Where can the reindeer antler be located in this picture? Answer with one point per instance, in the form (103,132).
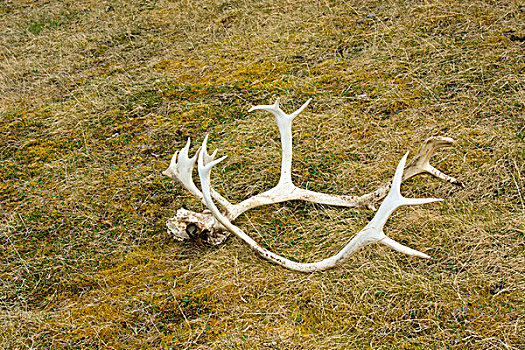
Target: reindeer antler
(211,226)
(373,232)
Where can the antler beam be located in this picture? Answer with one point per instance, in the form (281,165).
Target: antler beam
(373,232)
(214,226)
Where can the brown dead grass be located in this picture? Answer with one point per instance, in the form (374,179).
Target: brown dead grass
(95,97)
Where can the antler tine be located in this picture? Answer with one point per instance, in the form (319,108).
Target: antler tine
(274,109)
(205,169)
(181,168)
(302,108)
(403,249)
(210,159)
(278,112)
(421,163)
(394,200)
(207,157)
(284,122)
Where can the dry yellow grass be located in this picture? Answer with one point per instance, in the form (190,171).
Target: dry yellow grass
(96,96)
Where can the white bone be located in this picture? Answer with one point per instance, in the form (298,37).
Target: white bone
(373,232)
(181,167)
(284,122)
(207,157)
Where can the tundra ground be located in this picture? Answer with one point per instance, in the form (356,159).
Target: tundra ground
(96,96)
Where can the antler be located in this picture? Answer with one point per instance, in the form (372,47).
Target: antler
(208,228)
(188,224)
(373,232)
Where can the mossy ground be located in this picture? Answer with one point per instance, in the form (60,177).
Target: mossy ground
(96,96)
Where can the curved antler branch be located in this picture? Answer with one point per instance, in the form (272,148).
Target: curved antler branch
(373,232)
(181,167)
